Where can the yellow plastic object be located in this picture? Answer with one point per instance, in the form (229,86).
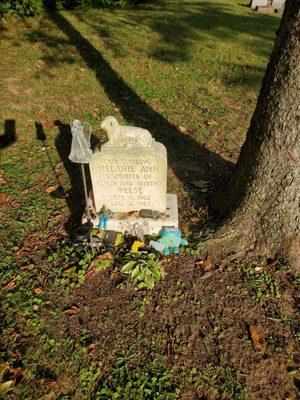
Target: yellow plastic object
(98,232)
(118,239)
(136,245)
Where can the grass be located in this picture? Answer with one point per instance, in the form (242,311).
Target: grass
(195,65)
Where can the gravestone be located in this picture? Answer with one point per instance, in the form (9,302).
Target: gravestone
(128,174)
(129,179)
(278,4)
(258,3)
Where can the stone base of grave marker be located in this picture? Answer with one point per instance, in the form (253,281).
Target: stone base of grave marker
(265,10)
(123,222)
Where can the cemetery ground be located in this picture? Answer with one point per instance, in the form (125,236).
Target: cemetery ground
(189,72)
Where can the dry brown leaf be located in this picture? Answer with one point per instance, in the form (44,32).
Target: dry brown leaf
(212,122)
(90,347)
(2,181)
(2,172)
(182,129)
(257,339)
(9,285)
(101,257)
(15,204)
(73,310)
(50,189)
(207,264)
(24,249)
(4,197)
(105,256)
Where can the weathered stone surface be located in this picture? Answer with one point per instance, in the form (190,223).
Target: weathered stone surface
(149,226)
(265,10)
(278,4)
(130,178)
(258,3)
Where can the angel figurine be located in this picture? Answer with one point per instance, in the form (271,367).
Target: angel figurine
(81,142)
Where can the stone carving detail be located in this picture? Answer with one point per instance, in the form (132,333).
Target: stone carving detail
(125,136)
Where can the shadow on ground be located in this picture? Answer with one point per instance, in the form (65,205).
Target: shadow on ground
(182,150)
(75,196)
(9,136)
(195,21)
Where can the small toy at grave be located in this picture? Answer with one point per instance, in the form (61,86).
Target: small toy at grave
(145,213)
(125,136)
(137,245)
(170,241)
(83,232)
(138,231)
(104,215)
(108,238)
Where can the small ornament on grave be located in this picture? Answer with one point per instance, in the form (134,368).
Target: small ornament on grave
(83,232)
(137,245)
(104,215)
(81,153)
(169,242)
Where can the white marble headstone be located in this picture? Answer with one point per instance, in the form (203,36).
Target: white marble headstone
(258,3)
(130,171)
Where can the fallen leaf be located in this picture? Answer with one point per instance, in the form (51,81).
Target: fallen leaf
(212,122)
(37,290)
(182,129)
(9,285)
(101,257)
(24,249)
(2,181)
(50,189)
(105,256)
(2,172)
(207,264)
(90,273)
(5,386)
(90,347)
(4,197)
(35,307)
(73,310)
(15,204)
(257,338)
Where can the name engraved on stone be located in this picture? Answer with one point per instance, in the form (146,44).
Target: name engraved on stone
(127,178)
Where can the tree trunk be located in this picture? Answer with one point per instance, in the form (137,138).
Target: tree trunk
(261,202)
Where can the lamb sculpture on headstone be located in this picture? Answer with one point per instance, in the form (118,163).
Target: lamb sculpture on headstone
(125,136)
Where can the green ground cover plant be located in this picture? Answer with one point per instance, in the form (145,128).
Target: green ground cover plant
(144,268)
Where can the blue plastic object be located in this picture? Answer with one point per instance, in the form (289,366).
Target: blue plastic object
(169,242)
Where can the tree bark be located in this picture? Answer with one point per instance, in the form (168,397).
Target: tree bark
(261,202)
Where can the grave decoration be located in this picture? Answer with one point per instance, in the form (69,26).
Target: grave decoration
(128,204)
(81,153)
